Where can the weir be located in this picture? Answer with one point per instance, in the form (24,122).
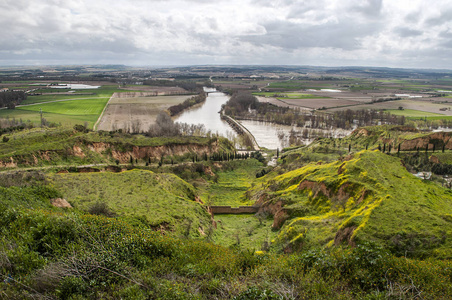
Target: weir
(218,210)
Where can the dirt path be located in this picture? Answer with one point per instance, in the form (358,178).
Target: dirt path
(101,115)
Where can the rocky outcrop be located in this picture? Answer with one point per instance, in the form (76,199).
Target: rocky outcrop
(122,153)
(437,139)
(344,235)
(77,151)
(315,187)
(8,164)
(143,152)
(276,209)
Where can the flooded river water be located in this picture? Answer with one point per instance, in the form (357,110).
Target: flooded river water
(267,135)
(208,114)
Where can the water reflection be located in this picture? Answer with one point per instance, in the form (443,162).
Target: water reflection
(266,134)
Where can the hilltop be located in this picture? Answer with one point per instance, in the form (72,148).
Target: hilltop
(77,146)
(368,196)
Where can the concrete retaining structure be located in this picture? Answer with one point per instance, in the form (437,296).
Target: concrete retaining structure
(218,210)
(240,129)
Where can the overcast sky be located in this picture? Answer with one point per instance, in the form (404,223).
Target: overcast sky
(390,33)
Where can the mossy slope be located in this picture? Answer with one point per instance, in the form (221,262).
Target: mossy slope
(370,197)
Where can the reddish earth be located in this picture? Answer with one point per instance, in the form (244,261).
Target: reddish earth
(59,202)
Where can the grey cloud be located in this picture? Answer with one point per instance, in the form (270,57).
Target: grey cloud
(302,8)
(273,3)
(446,44)
(413,17)
(239,31)
(407,32)
(370,8)
(444,17)
(344,35)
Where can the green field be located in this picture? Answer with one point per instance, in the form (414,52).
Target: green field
(413,113)
(54,97)
(68,110)
(65,113)
(288,95)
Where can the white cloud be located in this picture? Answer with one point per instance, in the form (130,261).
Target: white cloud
(373,32)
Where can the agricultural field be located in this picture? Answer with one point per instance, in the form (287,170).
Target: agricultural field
(412,113)
(159,90)
(67,109)
(71,106)
(130,112)
(315,99)
(288,95)
(66,113)
(424,107)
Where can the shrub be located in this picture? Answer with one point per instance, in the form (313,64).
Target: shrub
(101,209)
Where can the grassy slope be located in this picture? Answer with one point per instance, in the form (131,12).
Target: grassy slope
(160,199)
(231,185)
(240,231)
(398,210)
(243,231)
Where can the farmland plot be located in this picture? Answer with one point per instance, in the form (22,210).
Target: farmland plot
(135,113)
(424,105)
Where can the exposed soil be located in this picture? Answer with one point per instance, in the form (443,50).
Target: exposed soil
(59,202)
(134,112)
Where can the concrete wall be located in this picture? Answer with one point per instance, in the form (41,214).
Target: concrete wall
(234,210)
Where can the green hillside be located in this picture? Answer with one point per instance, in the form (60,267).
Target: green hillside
(368,197)
(162,201)
(64,146)
(335,222)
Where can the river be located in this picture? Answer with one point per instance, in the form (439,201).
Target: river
(208,114)
(266,134)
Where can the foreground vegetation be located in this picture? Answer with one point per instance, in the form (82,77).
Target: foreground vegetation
(68,255)
(365,235)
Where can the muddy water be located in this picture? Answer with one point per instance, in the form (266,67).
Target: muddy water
(208,114)
(266,134)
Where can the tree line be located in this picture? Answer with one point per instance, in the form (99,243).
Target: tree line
(10,99)
(186,85)
(176,109)
(243,105)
